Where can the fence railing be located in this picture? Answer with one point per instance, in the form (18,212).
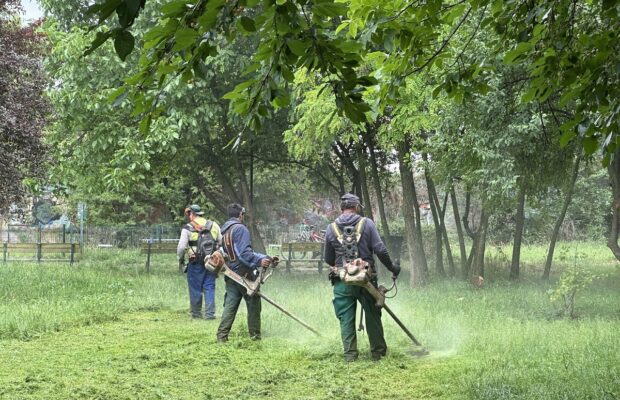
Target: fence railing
(104,236)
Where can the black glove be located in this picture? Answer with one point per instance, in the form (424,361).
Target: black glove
(395,269)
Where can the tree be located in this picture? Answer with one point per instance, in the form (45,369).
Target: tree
(23,110)
(196,153)
(570,188)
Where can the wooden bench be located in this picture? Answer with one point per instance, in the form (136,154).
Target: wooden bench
(38,252)
(157,246)
(303,252)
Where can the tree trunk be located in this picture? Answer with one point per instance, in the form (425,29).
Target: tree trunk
(376,182)
(519,223)
(614,178)
(432,196)
(560,220)
(477,264)
(417,276)
(257,241)
(446,240)
(364,183)
(344,154)
(459,230)
(469,232)
(418,226)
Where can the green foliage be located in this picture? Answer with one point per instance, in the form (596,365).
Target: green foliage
(194,154)
(23,108)
(567,50)
(573,280)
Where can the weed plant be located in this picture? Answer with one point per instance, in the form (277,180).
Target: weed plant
(105,329)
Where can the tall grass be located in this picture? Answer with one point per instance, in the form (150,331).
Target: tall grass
(39,298)
(117,332)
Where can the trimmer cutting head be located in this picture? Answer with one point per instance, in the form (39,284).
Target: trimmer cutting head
(419,352)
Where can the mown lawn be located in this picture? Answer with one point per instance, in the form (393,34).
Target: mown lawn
(106,330)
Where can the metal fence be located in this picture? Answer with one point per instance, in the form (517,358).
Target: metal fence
(127,236)
(102,236)
(131,236)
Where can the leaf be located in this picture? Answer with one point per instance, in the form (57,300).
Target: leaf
(104,10)
(127,12)
(529,95)
(174,8)
(298,47)
(247,24)
(209,17)
(568,96)
(117,96)
(123,44)
(184,38)
(232,95)
(342,26)
(454,13)
(330,9)
(517,52)
(100,39)
(287,74)
(282,101)
(566,137)
(590,144)
(145,124)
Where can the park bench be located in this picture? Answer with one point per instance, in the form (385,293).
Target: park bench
(303,252)
(294,252)
(157,246)
(39,252)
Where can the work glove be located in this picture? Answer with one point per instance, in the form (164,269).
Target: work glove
(182,266)
(395,269)
(333,274)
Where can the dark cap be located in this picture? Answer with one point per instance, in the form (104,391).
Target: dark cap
(195,208)
(349,200)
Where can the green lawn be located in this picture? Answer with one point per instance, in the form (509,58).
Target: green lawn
(106,330)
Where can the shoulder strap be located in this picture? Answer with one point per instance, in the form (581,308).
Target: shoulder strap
(359,228)
(195,226)
(228,242)
(337,232)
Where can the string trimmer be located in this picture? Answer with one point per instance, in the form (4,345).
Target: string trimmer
(216,263)
(358,273)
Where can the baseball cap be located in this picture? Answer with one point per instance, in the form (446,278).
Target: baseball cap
(350,200)
(195,208)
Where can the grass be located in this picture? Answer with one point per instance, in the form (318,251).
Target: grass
(107,330)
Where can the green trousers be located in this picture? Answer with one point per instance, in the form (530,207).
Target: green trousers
(232,299)
(345,306)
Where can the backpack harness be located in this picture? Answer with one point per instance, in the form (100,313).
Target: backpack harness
(228,243)
(205,243)
(229,247)
(348,238)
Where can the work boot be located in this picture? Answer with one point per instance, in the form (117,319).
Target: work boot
(377,357)
(196,311)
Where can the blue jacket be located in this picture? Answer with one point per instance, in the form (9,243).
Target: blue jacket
(242,246)
(370,242)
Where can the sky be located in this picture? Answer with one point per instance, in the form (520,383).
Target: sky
(32,10)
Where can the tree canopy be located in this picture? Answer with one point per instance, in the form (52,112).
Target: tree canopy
(23,110)
(568,48)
